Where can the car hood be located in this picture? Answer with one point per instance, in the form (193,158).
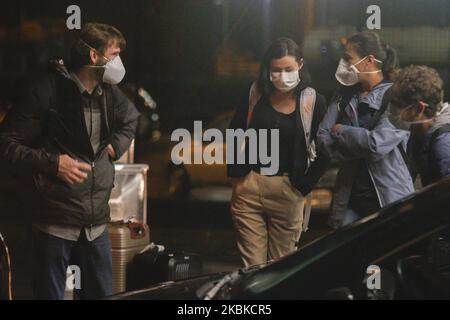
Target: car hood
(190,289)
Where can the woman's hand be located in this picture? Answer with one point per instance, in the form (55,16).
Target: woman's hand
(335,129)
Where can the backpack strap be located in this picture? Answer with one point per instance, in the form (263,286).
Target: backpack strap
(253,98)
(384,105)
(306,110)
(343,98)
(443,129)
(376,119)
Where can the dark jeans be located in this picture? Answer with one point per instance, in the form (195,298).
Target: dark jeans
(52,256)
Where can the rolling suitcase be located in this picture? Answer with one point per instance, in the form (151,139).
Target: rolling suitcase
(127,240)
(154,265)
(128,230)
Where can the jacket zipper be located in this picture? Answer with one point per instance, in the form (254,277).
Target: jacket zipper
(88,140)
(93,185)
(375,186)
(95,157)
(92,193)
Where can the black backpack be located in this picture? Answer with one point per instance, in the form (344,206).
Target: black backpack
(445,128)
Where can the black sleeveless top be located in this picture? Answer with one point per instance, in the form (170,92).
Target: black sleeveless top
(266,117)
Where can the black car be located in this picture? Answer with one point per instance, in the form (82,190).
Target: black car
(401,252)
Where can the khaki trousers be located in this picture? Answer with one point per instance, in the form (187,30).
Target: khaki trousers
(268,213)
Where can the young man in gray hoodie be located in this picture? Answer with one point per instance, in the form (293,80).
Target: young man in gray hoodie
(417,105)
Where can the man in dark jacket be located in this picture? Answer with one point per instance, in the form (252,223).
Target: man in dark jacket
(417,105)
(64,136)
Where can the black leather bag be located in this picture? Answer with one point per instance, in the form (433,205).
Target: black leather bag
(155,265)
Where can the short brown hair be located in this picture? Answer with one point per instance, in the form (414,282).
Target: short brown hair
(418,83)
(95,35)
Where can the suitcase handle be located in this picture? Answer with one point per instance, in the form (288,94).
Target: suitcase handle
(137,230)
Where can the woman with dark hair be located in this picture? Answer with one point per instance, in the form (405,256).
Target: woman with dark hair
(267,209)
(356,132)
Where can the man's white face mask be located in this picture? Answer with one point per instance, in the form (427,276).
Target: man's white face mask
(347,74)
(397,117)
(114,69)
(285,81)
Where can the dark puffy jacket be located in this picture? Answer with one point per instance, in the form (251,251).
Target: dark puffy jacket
(301,178)
(49,122)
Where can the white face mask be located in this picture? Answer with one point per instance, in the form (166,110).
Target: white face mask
(285,81)
(114,71)
(395,116)
(347,74)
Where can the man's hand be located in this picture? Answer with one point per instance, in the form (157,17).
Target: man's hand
(111,152)
(72,171)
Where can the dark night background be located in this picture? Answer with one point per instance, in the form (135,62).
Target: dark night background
(180,51)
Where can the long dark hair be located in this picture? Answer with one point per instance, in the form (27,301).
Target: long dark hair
(370,43)
(278,49)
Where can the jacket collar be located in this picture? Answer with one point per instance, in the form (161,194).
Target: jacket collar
(375,96)
(441,119)
(97,90)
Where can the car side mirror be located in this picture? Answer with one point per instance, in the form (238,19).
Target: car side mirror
(342,293)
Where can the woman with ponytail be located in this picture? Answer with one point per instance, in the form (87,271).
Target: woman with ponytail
(357,133)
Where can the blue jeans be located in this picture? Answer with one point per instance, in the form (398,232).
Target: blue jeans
(52,256)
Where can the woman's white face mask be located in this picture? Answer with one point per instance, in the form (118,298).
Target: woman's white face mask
(347,73)
(285,81)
